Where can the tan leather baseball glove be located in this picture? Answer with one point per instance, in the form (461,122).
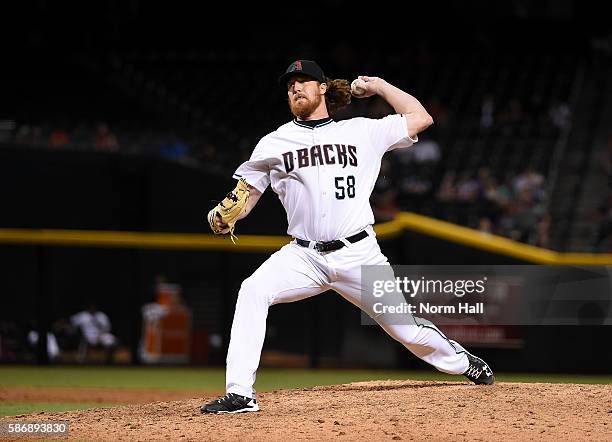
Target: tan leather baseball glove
(229,210)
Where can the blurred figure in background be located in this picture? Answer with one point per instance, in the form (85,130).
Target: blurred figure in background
(467,188)
(529,180)
(447,192)
(53,349)
(95,328)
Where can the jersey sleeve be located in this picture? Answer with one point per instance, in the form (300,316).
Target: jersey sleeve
(390,133)
(256,171)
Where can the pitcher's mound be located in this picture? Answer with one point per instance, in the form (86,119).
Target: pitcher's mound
(369,411)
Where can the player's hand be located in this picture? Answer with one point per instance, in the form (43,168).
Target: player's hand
(364,86)
(216,223)
(219,222)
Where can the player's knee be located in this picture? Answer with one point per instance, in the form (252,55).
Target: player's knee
(248,286)
(405,334)
(253,291)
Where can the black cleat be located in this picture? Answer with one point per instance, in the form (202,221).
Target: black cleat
(478,371)
(231,403)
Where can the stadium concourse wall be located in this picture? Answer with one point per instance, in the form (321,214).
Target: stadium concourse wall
(92,226)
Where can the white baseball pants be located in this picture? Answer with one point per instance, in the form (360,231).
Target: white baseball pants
(294,273)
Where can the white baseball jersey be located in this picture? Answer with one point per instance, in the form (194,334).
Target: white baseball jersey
(324,175)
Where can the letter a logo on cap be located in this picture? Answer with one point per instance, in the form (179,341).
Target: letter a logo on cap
(297,66)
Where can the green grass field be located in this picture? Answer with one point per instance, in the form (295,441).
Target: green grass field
(16,408)
(213,380)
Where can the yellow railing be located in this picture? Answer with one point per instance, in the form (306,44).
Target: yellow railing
(491,243)
(141,240)
(260,243)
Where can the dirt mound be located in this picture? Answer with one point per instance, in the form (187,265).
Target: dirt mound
(96,395)
(387,410)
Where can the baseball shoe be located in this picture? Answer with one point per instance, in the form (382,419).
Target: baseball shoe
(231,403)
(478,371)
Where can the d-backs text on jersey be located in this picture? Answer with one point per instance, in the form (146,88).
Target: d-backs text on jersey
(341,154)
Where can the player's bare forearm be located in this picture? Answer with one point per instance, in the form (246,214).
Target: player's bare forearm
(254,196)
(417,118)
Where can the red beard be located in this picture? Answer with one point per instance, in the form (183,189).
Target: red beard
(302,109)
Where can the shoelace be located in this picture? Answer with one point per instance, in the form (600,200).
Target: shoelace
(474,371)
(225,398)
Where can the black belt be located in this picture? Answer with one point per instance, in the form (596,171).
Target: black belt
(330,246)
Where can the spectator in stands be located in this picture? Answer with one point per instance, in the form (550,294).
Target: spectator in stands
(494,193)
(485,225)
(506,223)
(416,173)
(446,191)
(490,199)
(467,188)
(104,139)
(95,328)
(415,184)
(504,194)
(426,152)
(525,214)
(529,180)
(501,198)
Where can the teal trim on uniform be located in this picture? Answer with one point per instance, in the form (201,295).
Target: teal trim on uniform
(324,122)
(301,125)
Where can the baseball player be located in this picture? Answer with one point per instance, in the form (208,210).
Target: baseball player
(323,172)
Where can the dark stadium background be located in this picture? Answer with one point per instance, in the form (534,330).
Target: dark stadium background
(131,116)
